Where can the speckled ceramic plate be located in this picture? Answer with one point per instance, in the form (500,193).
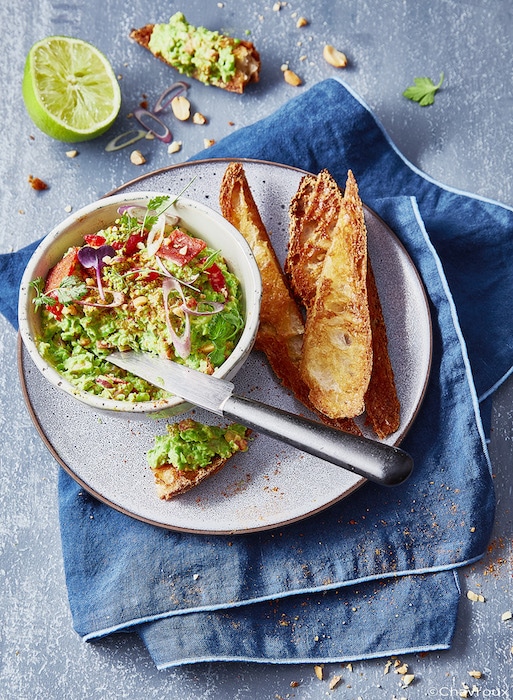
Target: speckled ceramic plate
(271,484)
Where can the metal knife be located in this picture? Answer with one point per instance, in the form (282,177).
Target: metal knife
(384,464)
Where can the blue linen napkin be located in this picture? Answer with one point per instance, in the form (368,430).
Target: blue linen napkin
(375,574)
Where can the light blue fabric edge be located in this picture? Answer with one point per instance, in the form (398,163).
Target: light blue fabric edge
(305,660)
(442,186)
(457,328)
(413,167)
(124,626)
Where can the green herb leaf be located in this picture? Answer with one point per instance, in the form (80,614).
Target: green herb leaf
(71,289)
(41,299)
(423,91)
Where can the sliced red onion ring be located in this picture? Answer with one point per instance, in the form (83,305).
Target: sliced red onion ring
(133,210)
(181,343)
(156,235)
(143,115)
(171,92)
(130,137)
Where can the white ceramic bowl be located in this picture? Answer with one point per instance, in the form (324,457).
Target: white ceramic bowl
(201,221)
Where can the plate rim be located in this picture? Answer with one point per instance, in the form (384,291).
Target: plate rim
(21,353)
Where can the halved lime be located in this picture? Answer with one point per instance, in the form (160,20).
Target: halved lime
(69,88)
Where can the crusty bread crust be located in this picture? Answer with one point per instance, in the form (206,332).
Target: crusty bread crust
(336,362)
(281,329)
(314,210)
(247,60)
(171,482)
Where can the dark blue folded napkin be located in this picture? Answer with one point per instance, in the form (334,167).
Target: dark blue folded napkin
(375,574)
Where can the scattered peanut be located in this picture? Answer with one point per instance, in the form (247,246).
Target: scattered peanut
(475,597)
(334,682)
(334,57)
(408,679)
(199,118)
(137,158)
(475,674)
(319,672)
(72,154)
(506,616)
(181,108)
(291,78)
(174,147)
(302,22)
(208,142)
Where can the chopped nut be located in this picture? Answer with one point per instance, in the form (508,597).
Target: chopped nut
(294,684)
(291,78)
(475,597)
(181,108)
(137,158)
(68,208)
(302,22)
(195,577)
(506,616)
(36,183)
(72,154)
(208,142)
(140,301)
(349,666)
(334,682)
(199,118)
(387,668)
(334,57)
(402,669)
(408,679)
(475,674)
(174,147)
(319,672)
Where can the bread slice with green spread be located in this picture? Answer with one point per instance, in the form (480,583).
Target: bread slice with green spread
(190,452)
(197,52)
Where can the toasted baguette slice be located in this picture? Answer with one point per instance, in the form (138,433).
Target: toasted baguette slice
(382,406)
(336,361)
(280,333)
(170,480)
(188,45)
(313,212)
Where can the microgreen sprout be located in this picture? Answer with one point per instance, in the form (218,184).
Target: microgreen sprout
(95,258)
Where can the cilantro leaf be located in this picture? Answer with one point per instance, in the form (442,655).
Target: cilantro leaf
(71,289)
(423,91)
(41,299)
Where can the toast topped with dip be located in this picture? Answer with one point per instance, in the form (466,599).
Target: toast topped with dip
(199,53)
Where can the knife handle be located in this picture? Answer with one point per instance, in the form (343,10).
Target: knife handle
(376,461)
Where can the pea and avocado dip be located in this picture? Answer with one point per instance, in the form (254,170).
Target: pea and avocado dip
(144,283)
(190,445)
(194,51)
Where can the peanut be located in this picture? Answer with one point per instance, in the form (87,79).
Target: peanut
(334,57)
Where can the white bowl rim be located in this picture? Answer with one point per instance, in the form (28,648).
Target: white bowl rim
(227,370)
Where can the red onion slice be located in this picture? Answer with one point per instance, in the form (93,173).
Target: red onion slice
(156,127)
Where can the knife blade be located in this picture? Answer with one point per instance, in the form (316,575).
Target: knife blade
(384,464)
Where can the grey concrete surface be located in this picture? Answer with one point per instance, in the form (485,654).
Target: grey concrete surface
(464,140)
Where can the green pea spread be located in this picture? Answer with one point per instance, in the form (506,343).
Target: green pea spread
(194,51)
(189,445)
(179,301)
